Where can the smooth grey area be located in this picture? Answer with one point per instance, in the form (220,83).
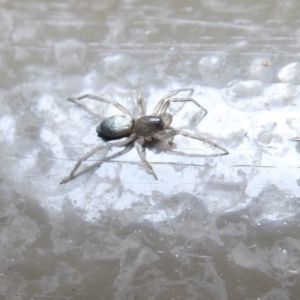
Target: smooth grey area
(209,228)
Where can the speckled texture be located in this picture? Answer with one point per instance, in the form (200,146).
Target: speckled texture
(209,228)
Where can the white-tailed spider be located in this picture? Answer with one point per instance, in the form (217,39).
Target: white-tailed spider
(125,130)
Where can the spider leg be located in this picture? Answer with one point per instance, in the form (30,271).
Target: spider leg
(99,163)
(296,139)
(166,105)
(163,99)
(137,145)
(103,100)
(140,101)
(120,142)
(169,133)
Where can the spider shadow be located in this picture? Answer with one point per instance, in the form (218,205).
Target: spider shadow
(156,146)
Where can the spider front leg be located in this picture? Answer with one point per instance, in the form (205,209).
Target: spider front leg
(103,100)
(120,142)
(170,133)
(168,101)
(162,101)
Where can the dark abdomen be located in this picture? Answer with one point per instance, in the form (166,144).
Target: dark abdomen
(116,126)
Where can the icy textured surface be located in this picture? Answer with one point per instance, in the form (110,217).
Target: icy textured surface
(209,228)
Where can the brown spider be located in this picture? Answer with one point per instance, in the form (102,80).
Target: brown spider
(127,131)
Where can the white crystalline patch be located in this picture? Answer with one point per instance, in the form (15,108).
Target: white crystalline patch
(109,171)
(257,96)
(45,103)
(115,64)
(7,129)
(157,216)
(271,203)
(70,54)
(290,73)
(210,61)
(280,93)
(28,162)
(49,137)
(240,90)
(112,59)
(89,80)
(209,65)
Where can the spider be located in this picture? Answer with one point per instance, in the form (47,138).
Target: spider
(125,130)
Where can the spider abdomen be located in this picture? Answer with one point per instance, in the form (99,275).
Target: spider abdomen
(116,126)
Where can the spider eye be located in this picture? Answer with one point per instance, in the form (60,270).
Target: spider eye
(158,121)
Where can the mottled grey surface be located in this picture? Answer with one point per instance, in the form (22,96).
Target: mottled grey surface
(209,228)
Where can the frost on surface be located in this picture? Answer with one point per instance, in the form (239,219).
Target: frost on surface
(223,227)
